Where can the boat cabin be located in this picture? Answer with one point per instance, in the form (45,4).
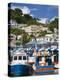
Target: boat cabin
(19,58)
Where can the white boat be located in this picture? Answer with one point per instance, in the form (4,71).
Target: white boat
(19,65)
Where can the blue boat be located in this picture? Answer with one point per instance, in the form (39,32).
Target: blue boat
(19,65)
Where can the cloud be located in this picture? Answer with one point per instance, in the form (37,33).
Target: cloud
(31,15)
(52,19)
(43,20)
(25,10)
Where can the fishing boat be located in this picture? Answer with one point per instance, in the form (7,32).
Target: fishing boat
(18,65)
(45,63)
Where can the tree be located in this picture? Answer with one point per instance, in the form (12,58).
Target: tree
(15,15)
(16,31)
(42,33)
(53,24)
(11,14)
(18,11)
(19,17)
(25,38)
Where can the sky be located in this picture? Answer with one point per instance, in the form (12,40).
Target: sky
(42,12)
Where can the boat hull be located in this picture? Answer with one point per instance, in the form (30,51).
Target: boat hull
(20,70)
(43,70)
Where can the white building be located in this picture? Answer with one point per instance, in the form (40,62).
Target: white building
(19,37)
(34,28)
(14,24)
(11,40)
(49,35)
(28,30)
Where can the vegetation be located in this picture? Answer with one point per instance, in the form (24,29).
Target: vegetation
(16,31)
(25,38)
(18,43)
(53,24)
(42,33)
(20,17)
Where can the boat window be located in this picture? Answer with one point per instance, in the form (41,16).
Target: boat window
(15,57)
(24,57)
(20,57)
